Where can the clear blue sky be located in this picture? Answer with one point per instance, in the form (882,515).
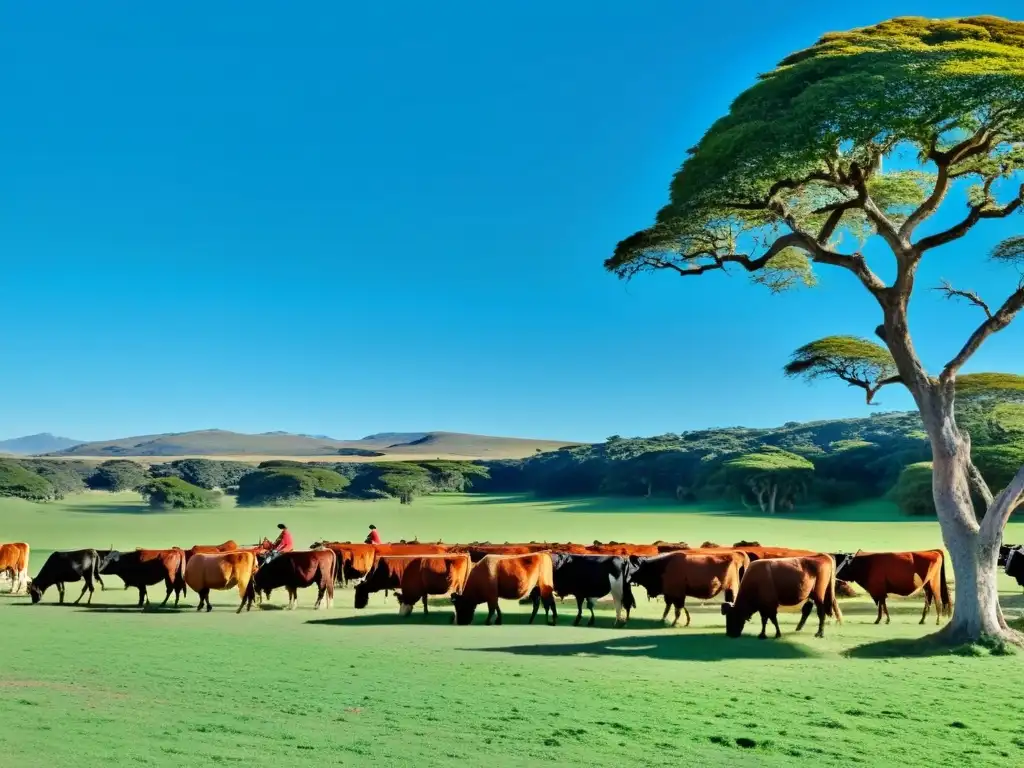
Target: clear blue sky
(321,218)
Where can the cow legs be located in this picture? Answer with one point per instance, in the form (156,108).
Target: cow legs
(805,612)
(886,609)
(590,607)
(775,620)
(85,588)
(549,602)
(60,591)
(617,588)
(929,595)
(496,609)
(822,613)
(879,604)
(204,597)
(679,609)
(687,612)
(764,626)
(535,595)
(579,611)
(425,611)
(667,606)
(144,597)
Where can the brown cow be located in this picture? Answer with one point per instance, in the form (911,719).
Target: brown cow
(222,570)
(296,570)
(785,581)
(623,550)
(899,573)
(507,577)
(432,575)
(14,561)
(385,574)
(145,567)
(678,575)
(205,549)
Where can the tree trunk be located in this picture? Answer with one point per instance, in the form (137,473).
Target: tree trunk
(771,499)
(972,548)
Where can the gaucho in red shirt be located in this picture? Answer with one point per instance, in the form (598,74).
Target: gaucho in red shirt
(284,541)
(374,537)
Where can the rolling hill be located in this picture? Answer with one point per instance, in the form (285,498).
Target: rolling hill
(218,442)
(44,442)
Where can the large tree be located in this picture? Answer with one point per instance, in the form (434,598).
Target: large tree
(809,165)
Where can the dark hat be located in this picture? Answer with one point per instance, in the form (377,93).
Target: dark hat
(282,526)
(374,527)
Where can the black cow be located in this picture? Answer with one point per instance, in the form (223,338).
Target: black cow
(1004,553)
(146,567)
(587,577)
(1014,563)
(62,567)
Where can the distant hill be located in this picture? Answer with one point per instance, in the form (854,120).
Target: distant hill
(44,442)
(218,442)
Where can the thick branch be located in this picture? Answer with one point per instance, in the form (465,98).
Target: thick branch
(970,296)
(930,205)
(876,216)
(872,391)
(976,214)
(978,484)
(1002,318)
(1002,507)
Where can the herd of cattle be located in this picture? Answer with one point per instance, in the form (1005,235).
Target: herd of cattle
(752,578)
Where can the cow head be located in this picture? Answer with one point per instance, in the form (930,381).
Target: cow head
(362,595)
(404,608)
(1015,565)
(734,621)
(1004,553)
(108,558)
(35,593)
(638,571)
(464,609)
(558,559)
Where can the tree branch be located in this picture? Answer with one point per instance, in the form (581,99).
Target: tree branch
(1002,507)
(720,261)
(977,213)
(929,206)
(1002,318)
(978,484)
(971,296)
(872,391)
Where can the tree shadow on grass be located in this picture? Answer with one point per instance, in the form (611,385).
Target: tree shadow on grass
(674,646)
(901,648)
(119,509)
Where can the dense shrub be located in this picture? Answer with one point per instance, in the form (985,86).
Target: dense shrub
(19,482)
(175,493)
(276,485)
(913,491)
(66,477)
(118,475)
(205,473)
(999,463)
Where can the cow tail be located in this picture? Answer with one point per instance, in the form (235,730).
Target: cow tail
(181,573)
(831,596)
(947,603)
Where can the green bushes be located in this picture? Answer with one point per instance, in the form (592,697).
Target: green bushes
(913,491)
(118,475)
(17,481)
(175,493)
(205,473)
(276,486)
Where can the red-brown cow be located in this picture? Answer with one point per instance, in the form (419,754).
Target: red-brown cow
(785,581)
(297,570)
(431,575)
(14,561)
(899,573)
(507,577)
(678,575)
(146,567)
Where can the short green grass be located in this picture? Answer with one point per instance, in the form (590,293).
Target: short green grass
(106,684)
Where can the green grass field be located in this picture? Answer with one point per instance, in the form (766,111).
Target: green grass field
(107,684)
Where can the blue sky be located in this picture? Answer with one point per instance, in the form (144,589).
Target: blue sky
(326,218)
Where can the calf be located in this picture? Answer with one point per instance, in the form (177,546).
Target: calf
(507,577)
(899,573)
(222,570)
(14,561)
(145,567)
(62,567)
(678,575)
(786,581)
(296,570)
(587,577)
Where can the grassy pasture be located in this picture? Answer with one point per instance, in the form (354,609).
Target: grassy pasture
(105,683)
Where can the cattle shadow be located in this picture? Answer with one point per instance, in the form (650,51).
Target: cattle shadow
(665,647)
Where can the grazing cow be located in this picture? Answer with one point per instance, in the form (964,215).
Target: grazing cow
(145,567)
(1004,553)
(678,575)
(62,567)
(14,561)
(222,570)
(588,577)
(427,575)
(784,581)
(899,573)
(507,577)
(205,549)
(296,570)
(385,575)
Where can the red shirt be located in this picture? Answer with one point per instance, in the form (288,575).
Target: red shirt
(374,537)
(285,543)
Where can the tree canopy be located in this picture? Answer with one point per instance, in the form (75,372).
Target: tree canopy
(17,481)
(175,493)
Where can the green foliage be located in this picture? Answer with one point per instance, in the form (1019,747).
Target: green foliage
(276,486)
(1010,250)
(175,493)
(858,362)
(326,482)
(118,475)
(66,477)
(19,482)
(773,477)
(998,463)
(913,491)
(205,473)
(788,269)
